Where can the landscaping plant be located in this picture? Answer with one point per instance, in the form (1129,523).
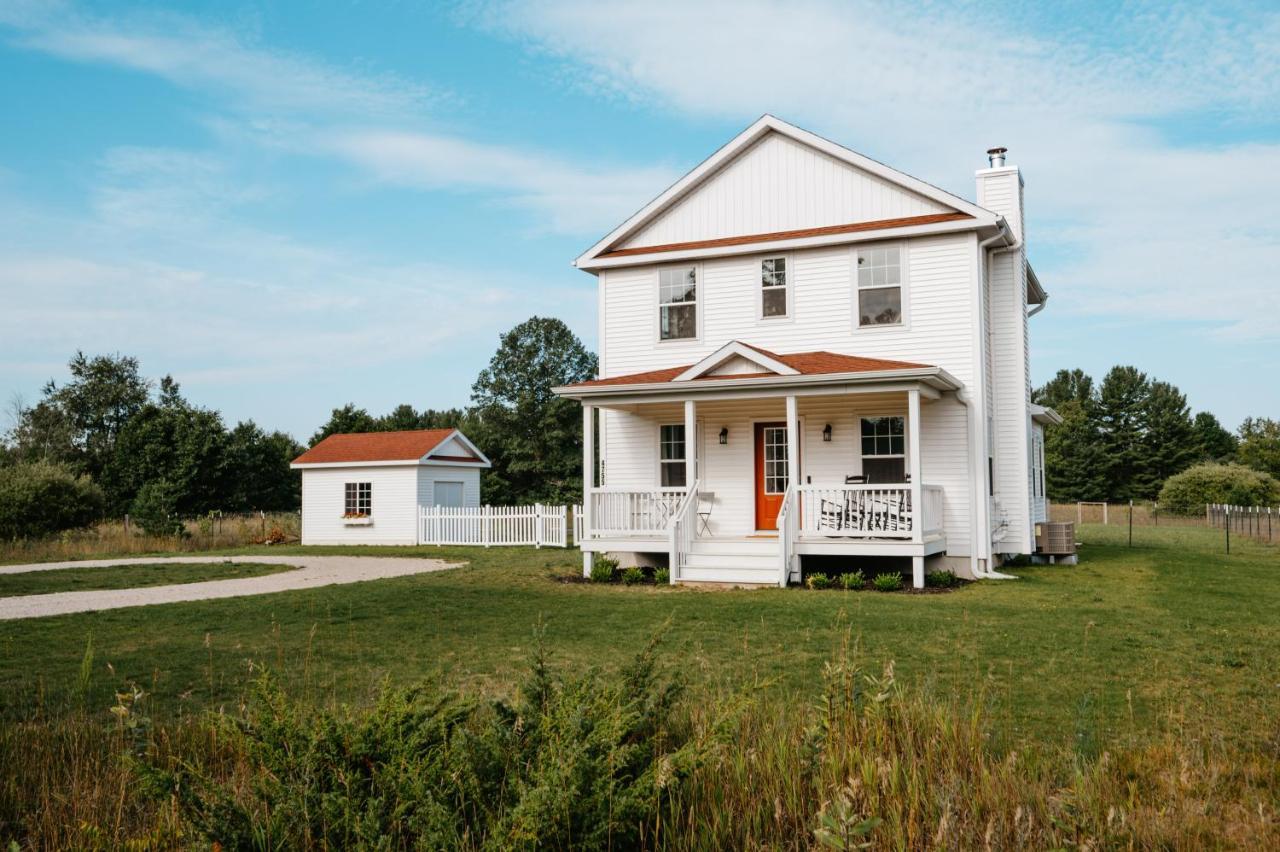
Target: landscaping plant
(852,580)
(887,582)
(602,569)
(632,575)
(818,581)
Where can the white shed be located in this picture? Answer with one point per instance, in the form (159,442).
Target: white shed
(367,488)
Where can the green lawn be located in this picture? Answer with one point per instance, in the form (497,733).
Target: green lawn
(129,576)
(1171,630)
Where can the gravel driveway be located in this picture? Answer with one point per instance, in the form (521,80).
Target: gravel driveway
(313,571)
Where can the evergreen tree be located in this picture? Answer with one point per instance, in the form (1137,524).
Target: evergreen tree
(1121,418)
(1075,462)
(533,437)
(1168,440)
(258,473)
(1213,442)
(1067,385)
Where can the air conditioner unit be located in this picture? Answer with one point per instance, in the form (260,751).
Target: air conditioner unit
(1056,539)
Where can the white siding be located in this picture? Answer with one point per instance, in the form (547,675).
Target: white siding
(468,476)
(395,507)
(780,184)
(452,447)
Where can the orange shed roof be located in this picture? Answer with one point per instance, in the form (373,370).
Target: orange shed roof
(408,446)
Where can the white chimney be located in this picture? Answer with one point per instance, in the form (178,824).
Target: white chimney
(995,156)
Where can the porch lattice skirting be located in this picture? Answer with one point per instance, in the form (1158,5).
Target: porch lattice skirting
(494,526)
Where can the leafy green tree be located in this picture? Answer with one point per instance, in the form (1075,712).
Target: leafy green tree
(79,422)
(533,437)
(258,473)
(348,418)
(1121,414)
(1075,462)
(41,498)
(156,508)
(1213,442)
(1168,439)
(182,445)
(1260,444)
(1234,484)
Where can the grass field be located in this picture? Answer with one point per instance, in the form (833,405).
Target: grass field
(1097,653)
(128,577)
(1130,701)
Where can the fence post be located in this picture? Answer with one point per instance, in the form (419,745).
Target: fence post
(537,526)
(1079,514)
(486,522)
(1155,512)
(1227,527)
(1105,521)
(1131,522)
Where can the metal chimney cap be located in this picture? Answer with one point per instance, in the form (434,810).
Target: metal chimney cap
(996,156)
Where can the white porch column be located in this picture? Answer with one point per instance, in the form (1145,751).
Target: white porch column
(690,443)
(917,483)
(793,443)
(588,480)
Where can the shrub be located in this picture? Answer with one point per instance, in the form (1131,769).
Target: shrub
(588,762)
(941,580)
(818,581)
(887,582)
(632,575)
(1187,493)
(42,498)
(602,569)
(156,509)
(662,576)
(853,580)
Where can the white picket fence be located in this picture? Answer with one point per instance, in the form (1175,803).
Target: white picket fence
(494,526)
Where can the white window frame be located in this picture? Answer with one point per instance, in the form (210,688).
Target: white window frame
(787,289)
(906,437)
(366,499)
(699,285)
(680,462)
(904,278)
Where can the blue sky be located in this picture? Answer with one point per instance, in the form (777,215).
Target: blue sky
(290,206)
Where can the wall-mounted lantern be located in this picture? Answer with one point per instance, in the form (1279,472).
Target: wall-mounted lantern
(724,434)
(826,433)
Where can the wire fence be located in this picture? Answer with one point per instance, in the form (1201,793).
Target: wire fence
(1260,523)
(1143,524)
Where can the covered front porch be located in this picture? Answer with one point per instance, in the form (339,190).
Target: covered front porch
(764,480)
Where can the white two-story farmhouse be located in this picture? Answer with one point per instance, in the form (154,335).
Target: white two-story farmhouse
(804,352)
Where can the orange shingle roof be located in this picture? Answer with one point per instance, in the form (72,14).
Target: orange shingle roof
(375,446)
(747,239)
(804,363)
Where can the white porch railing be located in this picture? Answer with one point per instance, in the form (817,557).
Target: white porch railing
(494,526)
(620,513)
(682,531)
(788,526)
(868,511)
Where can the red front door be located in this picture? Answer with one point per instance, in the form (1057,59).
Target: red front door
(771,473)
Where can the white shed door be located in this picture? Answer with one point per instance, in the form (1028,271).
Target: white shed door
(448,494)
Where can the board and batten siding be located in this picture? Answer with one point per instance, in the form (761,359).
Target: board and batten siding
(395,505)
(779,184)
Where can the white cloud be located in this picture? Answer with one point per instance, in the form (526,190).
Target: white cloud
(1181,231)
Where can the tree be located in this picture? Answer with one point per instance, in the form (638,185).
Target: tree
(1212,441)
(1067,385)
(1260,444)
(182,445)
(348,418)
(1075,462)
(258,473)
(1168,439)
(40,498)
(533,437)
(1188,492)
(1121,413)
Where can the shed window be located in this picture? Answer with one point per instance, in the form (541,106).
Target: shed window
(773,287)
(671,450)
(678,302)
(359,500)
(880,286)
(884,446)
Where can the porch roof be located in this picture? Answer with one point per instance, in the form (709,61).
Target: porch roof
(799,368)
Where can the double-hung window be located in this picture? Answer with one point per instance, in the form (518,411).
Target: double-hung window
(678,302)
(880,286)
(359,500)
(671,455)
(884,449)
(773,287)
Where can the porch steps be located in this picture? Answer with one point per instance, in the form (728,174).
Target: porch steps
(747,561)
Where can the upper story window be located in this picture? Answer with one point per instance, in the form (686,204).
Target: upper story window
(678,302)
(773,287)
(671,455)
(359,500)
(880,286)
